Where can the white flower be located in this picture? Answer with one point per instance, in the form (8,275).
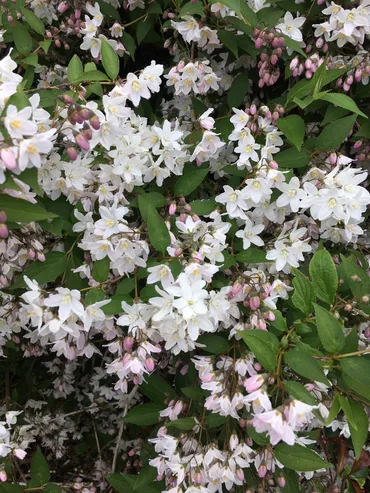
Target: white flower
(250,234)
(17,122)
(190,297)
(136,88)
(292,194)
(160,273)
(68,302)
(290,26)
(189,29)
(30,150)
(283,255)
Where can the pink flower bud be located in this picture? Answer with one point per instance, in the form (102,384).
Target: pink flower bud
(258,43)
(308,74)
(3,476)
(7,156)
(82,142)
(3,217)
(171,15)
(236,288)
(172,209)
(240,474)
(95,122)
(72,153)
(253,383)
(178,252)
(356,145)
(41,257)
(262,471)
(128,343)
(281,480)
(184,370)
(4,232)
(58,44)
(367,333)
(271,316)
(198,477)
(62,7)
(319,43)
(254,302)
(253,109)
(150,364)
(262,324)
(273,165)
(207,123)
(333,159)
(257,367)
(294,63)
(131,452)
(31,254)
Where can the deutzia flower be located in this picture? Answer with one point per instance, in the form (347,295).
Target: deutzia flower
(290,26)
(17,122)
(250,234)
(68,302)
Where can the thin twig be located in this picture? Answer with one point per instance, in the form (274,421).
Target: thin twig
(120,432)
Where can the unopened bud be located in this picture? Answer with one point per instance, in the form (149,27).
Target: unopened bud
(3,476)
(82,142)
(262,471)
(3,217)
(72,153)
(281,481)
(95,122)
(4,232)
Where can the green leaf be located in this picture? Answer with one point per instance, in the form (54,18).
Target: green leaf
(358,387)
(31,59)
(194,393)
(100,269)
(91,76)
(329,329)
(292,482)
(264,345)
(332,114)
(229,40)
(335,134)
(191,8)
(238,90)
(294,45)
(299,90)
(324,276)
(280,322)
(52,488)
(126,286)
(299,392)
(253,255)
(115,305)
(358,368)
(215,420)
(94,295)
(109,60)
(147,475)
(299,458)
(334,410)
(30,177)
(294,129)
(305,365)
(143,201)
(22,38)
(45,45)
(292,158)
(347,409)
(33,21)
(261,439)
(39,468)
(359,282)
(144,414)
(182,424)
(21,211)
(190,181)
(11,488)
(129,43)
(124,483)
(158,233)
(214,344)
(157,389)
(359,435)
(143,28)
(343,101)
(203,207)
(304,294)
(44,272)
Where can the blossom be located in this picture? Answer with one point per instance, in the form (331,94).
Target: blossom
(67,301)
(290,26)
(17,122)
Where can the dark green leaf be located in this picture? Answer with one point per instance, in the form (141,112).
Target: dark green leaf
(100,269)
(359,435)
(91,76)
(109,60)
(94,295)
(44,272)
(291,158)
(190,181)
(324,276)
(144,414)
(335,134)
(194,393)
(158,233)
(21,211)
(126,286)
(214,344)
(157,388)
(192,8)
(203,207)
(299,458)
(182,424)
(343,101)
(22,38)
(305,365)
(33,21)
(294,128)
(330,331)
(304,294)
(299,392)
(358,368)
(238,90)
(39,467)
(264,345)
(253,255)
(229,40)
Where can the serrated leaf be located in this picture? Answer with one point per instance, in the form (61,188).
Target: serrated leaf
(299,458)
(192,8)
(91,76)
(109,60)
(33,21)
(360,433)
(329,329)
(21,211)
(294,129)
(264,345)
(44,272)
(335,133)
(189,182)
(22,38)
(144,414)
(238,90)
(324,276)
(214,344)
(182,424)
(100,269)
(203,207)
(358,368)
(346,408)
(292,158)
(158,233)
(304,294)
(39,467)
(343,101)
(294,45)
(299,392)
(252,255)
(305,365)
(334,410)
